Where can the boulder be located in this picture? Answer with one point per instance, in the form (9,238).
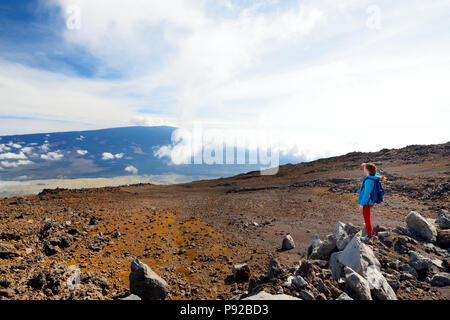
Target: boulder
(443,238)
(132,297)
(306,295)
(443,219)
(441,279)
(357,284)
(325,249)
(316,243)
(337,269)
(419,262)
(379,287)
(262,295)
(298,282)
(147,284)
(241,272)
(358,256)
(341,235)
(420,227)
(275,271)
(288,242)
(344,296)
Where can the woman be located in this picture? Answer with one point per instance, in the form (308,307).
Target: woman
(365,198)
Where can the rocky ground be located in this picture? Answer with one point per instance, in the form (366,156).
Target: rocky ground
(80,244)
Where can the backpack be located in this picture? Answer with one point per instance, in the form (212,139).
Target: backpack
(378,192)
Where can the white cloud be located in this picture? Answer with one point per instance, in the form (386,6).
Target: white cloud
(14,145)
(45,147)
(107,156)
(3,148)
(27,150)
(15,164)
(10,155)
(131,169)
(110,156)
(82,152)
(52,156)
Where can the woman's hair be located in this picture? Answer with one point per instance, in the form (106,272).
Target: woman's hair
(372,168)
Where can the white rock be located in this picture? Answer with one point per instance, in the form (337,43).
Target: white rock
(358,256)
(379,287)
(357,284)
(443,219)
(288,242)
(419,262)
(419,226)
(145,283)
(344,296)
(337,268)
(267,296)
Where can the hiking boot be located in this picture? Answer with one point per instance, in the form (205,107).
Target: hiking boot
(366,239)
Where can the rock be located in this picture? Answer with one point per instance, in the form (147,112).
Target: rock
(275,271)
(420,227)
(443,238)
(443,219)
(308,270)
(337,269)
(262,295)
(446,263)
(358,256)
(316,243)
(288,242)
(132,297)
(357,284)
(441,279)
(379,287)
(7,251)
(339,232)
(409,269)
(306,295)
(241,272)
(325,249)
(7,293)
(344,296)
(147,284)
(298,282)
(419,262)
(37,282)
(341,244)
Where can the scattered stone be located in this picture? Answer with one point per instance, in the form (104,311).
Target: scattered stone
(443,238)
(379,287)
(132,297)
(306,295)
(316,243)
(420,227)
(419,262)
(288,242)
(147,284)
(7,293)
(357,284)
(298,282)
(325,249)
(7,251)
(344,296)
(267,296)
(443,219)
(275,271)
(441,279)
(241,272)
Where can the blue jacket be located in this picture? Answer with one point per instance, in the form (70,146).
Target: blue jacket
(366,189)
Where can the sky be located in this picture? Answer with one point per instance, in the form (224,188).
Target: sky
(324,77)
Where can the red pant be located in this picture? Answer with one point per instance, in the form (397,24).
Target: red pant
(368,220)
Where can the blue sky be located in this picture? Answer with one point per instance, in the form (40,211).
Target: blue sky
(319,74)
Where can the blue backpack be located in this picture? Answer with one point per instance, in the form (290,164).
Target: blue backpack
(378,192)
